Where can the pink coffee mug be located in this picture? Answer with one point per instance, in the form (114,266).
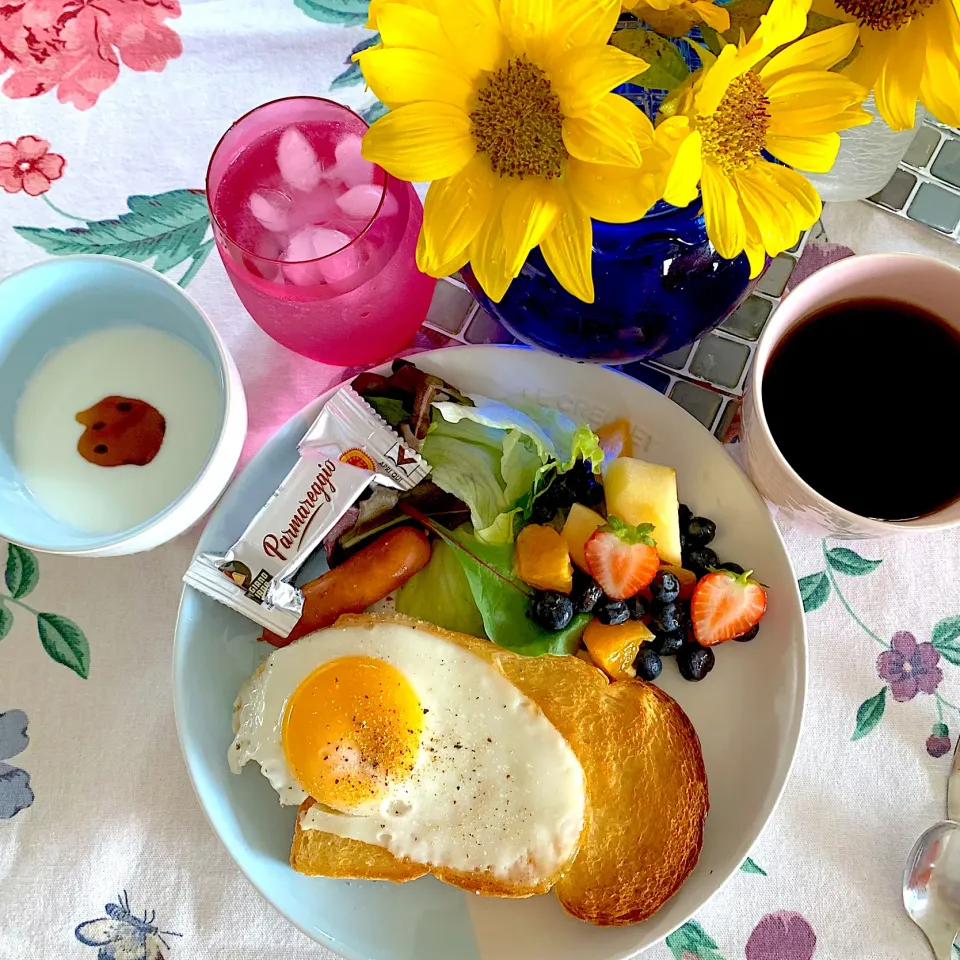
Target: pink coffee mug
(920,281)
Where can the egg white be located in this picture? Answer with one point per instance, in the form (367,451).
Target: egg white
(495,787)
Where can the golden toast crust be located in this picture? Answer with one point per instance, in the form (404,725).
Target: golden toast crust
(646,785)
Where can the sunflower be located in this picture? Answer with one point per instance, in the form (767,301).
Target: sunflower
(909,51)
(727,115)
(505,105)
(674,18)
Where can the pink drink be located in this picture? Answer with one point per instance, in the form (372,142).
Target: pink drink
(319,244)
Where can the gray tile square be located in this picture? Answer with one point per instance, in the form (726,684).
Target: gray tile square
(450,307)
(720,360)
(726,428)
(921,150)
(894,194)
(935,207)
(947,165)
(775,278)
(748,319)
(484,329)
(676,358)
(697,400)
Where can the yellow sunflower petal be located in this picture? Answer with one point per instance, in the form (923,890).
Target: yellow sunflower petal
(582,76)
(753,245)
(867,65)
(813,102)
(453,213)
(421,141)
(898,85)
(529,26)
(819,51)
(940,92)
(530,209)
(806,205)
(585,22)
(684,176)
(403,25)
(613,194)
(784,21)
(615,131)
(488,258)
(398,76)
(377,6)
(764,209)
(815,154)
(721,210)
(568,250)
(474,33)
(445,269)
(712,15)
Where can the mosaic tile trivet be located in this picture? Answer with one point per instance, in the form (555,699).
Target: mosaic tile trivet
(706,378)
(926,185)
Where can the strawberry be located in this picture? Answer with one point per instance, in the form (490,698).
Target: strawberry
(621,558)
(725,605)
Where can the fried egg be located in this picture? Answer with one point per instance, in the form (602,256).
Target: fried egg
(412,743)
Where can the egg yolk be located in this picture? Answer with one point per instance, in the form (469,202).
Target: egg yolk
(351,728)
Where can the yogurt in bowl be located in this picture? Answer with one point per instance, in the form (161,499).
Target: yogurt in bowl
(121,413)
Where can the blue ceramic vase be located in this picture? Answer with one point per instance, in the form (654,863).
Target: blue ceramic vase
(659,284)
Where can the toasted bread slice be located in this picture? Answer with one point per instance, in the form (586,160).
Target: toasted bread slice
(646,787)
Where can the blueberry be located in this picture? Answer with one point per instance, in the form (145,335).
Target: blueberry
(668,644)
(545,505)
(695,662)
(686,515)
(700,559)
(637,606)
(582,485)
(611,612)
(700,530)
(587,593)
(731,566)
(551,610)
(665,587)
(749,635)
(665,618)
(648,664)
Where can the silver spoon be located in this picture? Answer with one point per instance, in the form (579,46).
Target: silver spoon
(931,886)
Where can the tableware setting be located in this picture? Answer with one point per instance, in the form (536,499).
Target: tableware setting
(547,624)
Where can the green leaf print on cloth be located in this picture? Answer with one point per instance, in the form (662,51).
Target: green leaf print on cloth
(346,13)
(692,942)
(167,228)
(63,640)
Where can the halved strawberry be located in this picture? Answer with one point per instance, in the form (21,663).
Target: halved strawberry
(726,605)
(621,558)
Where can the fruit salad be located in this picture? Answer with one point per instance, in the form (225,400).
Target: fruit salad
(546,537)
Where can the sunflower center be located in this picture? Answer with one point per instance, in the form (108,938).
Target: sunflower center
(735,133)
(517,122)
(884,14)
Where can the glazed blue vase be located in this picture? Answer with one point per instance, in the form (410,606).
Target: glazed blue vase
(659,285)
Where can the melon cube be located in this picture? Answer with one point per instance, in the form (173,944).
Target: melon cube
(639,492)
(582,523)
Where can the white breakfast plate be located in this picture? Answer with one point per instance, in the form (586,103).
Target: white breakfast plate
(748,712)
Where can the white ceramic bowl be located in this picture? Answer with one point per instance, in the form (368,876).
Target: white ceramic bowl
(45,306)
(747,712)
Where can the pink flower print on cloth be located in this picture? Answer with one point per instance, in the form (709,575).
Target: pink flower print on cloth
(29,165)
(77,45)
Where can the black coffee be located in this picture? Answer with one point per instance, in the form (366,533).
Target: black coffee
(862,398)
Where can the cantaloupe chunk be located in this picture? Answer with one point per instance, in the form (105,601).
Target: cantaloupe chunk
(616,439)
(542,559)
(582,523)
(639,492)
(614,648)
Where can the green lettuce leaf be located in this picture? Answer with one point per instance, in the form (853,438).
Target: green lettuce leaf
(440,593)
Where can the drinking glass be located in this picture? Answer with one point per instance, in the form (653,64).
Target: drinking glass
(318,243)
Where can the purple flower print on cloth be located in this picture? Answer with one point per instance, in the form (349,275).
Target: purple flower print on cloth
(784,935)
(909,667)
(15,792)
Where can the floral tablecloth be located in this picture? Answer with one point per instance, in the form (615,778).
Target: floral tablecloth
(109,110)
